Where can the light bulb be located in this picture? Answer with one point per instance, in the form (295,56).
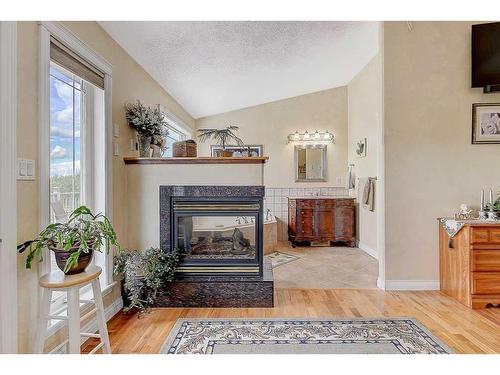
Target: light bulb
(316,135)
(306,135)
(296,135)
(327,135)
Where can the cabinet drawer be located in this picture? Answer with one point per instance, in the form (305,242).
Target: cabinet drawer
(485,260)
(306,203)
(479,235)
(495,235)
(485,283)
(344,202)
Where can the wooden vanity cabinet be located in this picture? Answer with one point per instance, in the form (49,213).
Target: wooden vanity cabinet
(470,264)
(321,219)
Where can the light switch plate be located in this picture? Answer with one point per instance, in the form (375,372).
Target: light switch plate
(116,149)
(25,169)
(116,130)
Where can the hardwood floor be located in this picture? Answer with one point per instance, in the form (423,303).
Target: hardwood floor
(463,329)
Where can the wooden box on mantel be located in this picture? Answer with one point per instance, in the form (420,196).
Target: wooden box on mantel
(184,149)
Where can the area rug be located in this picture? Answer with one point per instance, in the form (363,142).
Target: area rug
(277,258)
(302,336)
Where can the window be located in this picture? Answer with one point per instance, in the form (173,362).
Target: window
(176,132)
(77,155)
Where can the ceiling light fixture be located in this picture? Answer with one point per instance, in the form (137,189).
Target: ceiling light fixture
(306,137)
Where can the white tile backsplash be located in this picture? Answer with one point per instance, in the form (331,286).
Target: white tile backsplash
(276,200)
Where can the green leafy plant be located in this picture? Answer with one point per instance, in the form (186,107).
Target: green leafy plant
(145,273)
(82,233)
(221,136)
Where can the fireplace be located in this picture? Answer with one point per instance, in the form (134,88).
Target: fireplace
(217,230)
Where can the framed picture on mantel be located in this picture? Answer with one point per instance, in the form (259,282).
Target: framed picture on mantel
(238,151)
(485,123)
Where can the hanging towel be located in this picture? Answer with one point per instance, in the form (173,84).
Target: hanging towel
(349,179)
(368,199)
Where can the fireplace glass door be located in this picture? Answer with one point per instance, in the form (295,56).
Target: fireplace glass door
(210,237)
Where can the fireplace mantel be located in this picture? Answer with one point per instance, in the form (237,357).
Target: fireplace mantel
(197,160)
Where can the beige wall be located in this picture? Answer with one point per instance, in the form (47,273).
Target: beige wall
(364,104)
(269,124)
(431,166)
(130,82)
(144,183)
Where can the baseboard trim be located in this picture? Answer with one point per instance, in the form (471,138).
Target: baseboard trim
(412,285)
(367,249)
(109,312)
(380,283)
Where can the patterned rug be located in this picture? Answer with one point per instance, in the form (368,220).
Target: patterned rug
(278,259)
(297,336)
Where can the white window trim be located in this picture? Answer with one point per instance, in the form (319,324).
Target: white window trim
(8,202)
(176,122)
(55,29)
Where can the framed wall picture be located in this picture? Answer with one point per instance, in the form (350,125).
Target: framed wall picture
(238,151)
(485,123)
(361,148)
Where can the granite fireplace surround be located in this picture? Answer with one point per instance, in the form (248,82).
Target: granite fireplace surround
(199,289)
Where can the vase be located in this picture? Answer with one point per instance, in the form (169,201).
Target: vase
(492,215)
(144,146)
(156,151)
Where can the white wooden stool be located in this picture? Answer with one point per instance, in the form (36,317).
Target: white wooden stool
(71,284)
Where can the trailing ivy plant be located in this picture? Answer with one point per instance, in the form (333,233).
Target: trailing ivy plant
(83,232)
(145,274)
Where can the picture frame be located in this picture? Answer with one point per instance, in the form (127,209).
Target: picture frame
(238,151)
(486,123)
(361,148)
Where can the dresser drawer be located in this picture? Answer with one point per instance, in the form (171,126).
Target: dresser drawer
(479,235)
(494,235)
(485,260)
(485,282)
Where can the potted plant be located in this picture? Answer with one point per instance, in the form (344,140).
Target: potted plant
(493,209)
(222,137)
(73,242)
(145,274)
(146,121)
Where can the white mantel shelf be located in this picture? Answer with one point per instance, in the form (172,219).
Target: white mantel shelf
(197,160)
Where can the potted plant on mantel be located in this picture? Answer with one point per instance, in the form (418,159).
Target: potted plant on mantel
(73,242)
(148,122)
(222,137)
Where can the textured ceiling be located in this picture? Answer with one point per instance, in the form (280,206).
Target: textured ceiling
(215,67)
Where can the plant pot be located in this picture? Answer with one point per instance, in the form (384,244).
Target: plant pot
(62,256)
(224,153)
(145,146)
(156,151)
(492,215)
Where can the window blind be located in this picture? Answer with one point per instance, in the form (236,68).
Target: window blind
(71,61)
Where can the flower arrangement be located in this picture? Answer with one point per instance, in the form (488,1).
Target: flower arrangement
(149,123)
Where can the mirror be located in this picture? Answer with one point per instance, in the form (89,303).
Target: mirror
(310,163)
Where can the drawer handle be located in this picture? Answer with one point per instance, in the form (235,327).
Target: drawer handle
(450,244)
(497,235)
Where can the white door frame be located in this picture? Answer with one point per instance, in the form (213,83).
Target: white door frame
(8,202)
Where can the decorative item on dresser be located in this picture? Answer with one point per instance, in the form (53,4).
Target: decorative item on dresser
(320,219)
(469,255)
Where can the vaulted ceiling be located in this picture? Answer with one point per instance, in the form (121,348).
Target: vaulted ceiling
(215,67)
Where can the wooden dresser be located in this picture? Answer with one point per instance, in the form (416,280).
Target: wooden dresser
(470,264)
(321,219)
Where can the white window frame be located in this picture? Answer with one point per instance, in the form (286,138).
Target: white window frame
(55,29)
(8,202)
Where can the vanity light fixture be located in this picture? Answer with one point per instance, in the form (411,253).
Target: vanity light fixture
(306,137)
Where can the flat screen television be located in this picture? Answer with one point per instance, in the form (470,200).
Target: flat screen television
(486,56)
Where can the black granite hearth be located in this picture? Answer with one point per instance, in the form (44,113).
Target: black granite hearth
(221,291)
